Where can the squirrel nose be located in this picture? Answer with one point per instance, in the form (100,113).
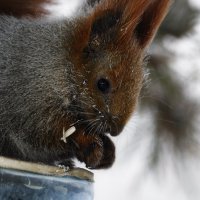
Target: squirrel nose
(113,127)
(115,131)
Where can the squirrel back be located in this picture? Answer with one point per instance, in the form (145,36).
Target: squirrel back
(85,72)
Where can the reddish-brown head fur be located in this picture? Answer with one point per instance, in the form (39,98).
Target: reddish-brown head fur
(110,43)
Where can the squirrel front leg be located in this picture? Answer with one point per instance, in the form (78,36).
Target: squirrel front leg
(96,151)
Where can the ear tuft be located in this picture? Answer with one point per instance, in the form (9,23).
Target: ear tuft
(150,21)
(106,22)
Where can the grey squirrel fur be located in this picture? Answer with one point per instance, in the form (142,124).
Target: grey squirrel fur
(35,74)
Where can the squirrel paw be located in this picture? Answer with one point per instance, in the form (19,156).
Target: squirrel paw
(108,153)
(96,151)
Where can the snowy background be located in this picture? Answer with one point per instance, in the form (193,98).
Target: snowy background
(176,175)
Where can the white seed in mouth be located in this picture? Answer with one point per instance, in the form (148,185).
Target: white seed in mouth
(67,133)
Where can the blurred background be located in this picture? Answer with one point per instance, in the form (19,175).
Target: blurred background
(158,154)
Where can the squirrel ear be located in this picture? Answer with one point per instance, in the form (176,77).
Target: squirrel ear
(125,19)
(119,22)
(150,21)
(111,21)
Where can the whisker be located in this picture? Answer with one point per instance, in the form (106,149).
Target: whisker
(95,107)
(94,132)
(104,127)
(116,117)
(88,105)
(101,128)
(82,112)
(98,128)
(86,113)
(77,108)
(81,122)
(90,125)
(73,124)
(94,125)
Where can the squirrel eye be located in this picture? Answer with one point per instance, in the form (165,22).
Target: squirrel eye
(103,85)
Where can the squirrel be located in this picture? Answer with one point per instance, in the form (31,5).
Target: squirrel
(84,73)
